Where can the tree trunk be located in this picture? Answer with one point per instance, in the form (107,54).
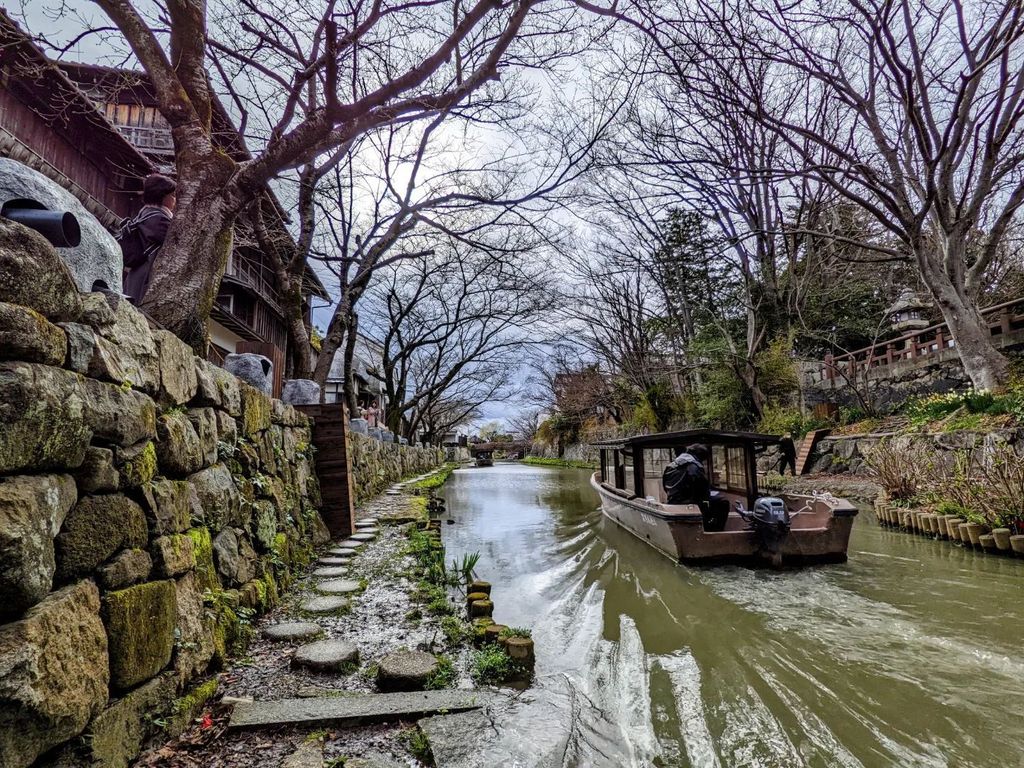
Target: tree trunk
(986,366)
(294,316)
(189,267)
(349,367)
(333,339)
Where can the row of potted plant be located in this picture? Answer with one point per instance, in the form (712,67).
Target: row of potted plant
(949,527)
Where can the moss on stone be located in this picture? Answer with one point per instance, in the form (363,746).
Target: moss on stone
(95,529)
(139,467)
(202,550)
(140,629)
(255,410)
(187,708)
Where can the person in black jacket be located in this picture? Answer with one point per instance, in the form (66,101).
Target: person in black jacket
(142,235)
(686,482)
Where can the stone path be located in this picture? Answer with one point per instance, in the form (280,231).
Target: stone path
(292,630)
(358,708)
(358,600)
(327,656)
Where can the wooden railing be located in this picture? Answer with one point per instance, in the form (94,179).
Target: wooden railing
(1002,319)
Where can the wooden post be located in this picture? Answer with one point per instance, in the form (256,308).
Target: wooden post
(333,465)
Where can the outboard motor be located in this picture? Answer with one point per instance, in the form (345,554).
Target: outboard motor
(59,227)
(770,520)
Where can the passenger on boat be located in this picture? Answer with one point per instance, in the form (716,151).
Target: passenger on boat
(686,482)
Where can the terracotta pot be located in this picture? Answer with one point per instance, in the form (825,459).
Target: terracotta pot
(987,542)
(1017,544)
(974,531)
(1002,539)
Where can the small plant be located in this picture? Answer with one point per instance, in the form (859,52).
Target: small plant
(508,632)
(467,568)
(418,745)
(226,450)
(492,666)
(444,676)
(455,630)
(441,606)
(898,467)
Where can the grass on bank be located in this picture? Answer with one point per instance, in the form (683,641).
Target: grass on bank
(537,461)
(434,481)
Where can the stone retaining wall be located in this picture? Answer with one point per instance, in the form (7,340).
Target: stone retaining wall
(841,455)
(150,505)
(377,464)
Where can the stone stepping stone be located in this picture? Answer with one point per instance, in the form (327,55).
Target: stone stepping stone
(367,522)
(327,656)
(337,586)
(358,707)
(405,670)
(324,604)
(352,543)
(372,760)
(331,572)
(292,630)
(310,754)
(364,536)
(332,560)
(392,493)
(342,551)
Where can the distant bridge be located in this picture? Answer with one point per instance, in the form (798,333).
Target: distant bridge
(509,446)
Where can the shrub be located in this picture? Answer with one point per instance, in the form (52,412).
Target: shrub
(492,666)
(898,467)
(516,632)
(455,630)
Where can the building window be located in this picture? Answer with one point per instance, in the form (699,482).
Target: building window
(334,392)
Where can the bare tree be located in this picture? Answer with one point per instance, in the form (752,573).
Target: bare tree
(911,110)
(525,423)
(454,327)
(328,72)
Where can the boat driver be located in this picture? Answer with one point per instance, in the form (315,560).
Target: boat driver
(686,482)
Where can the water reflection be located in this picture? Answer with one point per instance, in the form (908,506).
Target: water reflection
(906,655)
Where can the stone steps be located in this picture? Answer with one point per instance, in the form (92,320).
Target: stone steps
(356,708)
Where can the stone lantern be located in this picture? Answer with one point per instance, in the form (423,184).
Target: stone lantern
(909,313)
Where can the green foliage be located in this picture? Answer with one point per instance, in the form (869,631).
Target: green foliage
(456,631)
(492,666)
(776,373)
(434,481)
(516,632)
(444,676)
(466,570)
(418,745)
(538,461)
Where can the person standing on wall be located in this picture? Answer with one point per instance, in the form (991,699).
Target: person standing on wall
(142,235)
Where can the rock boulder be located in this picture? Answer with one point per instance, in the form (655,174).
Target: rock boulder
(27,335)
(32,510)
(34,276)
(96,528)
(53,673)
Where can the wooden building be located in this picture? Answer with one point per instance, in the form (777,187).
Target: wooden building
(97,132)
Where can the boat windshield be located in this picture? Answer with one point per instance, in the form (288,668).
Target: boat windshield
(729,468)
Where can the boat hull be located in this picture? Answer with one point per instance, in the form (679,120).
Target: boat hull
(820,531)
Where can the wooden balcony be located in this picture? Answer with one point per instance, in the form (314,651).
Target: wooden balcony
(1005,322)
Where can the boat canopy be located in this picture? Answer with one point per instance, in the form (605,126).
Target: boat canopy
(634,465)
(690,436)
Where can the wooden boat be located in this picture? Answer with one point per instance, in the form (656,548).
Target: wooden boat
(484,459)
(816,529)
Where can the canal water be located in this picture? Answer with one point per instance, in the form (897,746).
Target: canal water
(910,654)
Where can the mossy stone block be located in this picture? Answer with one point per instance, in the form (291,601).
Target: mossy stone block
(137,464)
(202,551)
(140,628)
(255,410)
(96,528)
(117,734)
